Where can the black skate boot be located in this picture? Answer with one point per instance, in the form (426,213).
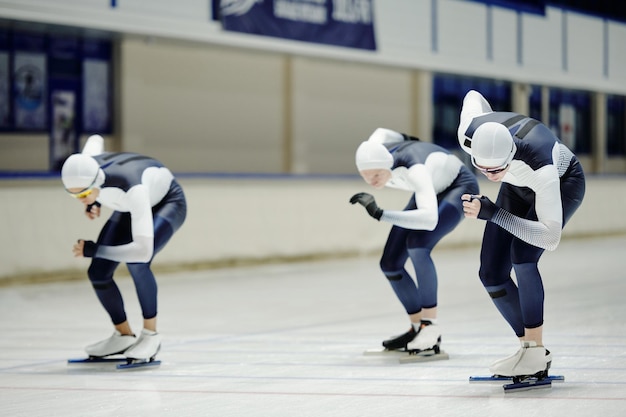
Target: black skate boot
(400,342)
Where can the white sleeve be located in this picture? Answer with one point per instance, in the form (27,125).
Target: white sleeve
(141,247)
(545,232)
(426,216)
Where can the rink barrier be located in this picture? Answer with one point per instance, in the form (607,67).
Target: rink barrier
(249,219)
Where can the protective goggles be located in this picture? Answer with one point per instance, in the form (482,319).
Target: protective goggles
(498,169)
(492,171)
(84,193)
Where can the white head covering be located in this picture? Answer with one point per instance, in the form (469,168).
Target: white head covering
(94,145)
(492,145)
(382,135)
(81,171)
(370,155)
(474,105)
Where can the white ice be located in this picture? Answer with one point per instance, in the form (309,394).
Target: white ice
(288,340)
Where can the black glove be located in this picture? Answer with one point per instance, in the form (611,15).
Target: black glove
(487,209)
(367,201)
(89,206)
(90,249)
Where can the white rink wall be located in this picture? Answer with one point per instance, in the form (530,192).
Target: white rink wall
(247,219)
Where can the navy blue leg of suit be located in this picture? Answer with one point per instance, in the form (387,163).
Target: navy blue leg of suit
(116,231)
(143,277)
(417,245)
(521,304)
(168,217)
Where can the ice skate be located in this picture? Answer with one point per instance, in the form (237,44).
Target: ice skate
(428,338)
(426,346)
(415,345)
(524,370)
(521,383)
(395,345)
(529,360)
(146,347)
(116,344)
(400,341)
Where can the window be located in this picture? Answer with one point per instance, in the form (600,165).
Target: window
(616,126)
(448,93)
(570,118)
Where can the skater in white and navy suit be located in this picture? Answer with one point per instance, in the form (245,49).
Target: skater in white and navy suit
(542,186)
(148,208)
(437,180)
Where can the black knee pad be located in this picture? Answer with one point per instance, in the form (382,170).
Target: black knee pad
(98,280)
(497,294)
(101,285)
(394,277)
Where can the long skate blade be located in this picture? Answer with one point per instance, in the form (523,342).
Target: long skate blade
(385,352)
(527,385)
(424,356)
(499,378)
(95,360)
(130,364)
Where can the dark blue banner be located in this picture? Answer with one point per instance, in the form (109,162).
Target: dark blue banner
(527,6)
(348,23)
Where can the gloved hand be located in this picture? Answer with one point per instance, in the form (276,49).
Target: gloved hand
(90,249)
(92,211)
(487,209)
(367,201)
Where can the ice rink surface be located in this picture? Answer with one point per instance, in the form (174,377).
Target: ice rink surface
(288,340)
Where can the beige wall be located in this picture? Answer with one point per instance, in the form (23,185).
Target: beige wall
(336,105)
(212,109)
(202,108)
(24,152)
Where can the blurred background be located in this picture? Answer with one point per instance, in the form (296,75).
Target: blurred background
(259,105)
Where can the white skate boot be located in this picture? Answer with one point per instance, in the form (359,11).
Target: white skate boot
(529,360)
(428,337)
(146,348)
(117,343)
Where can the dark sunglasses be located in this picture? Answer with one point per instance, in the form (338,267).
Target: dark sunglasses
(492,170)
(489,170)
